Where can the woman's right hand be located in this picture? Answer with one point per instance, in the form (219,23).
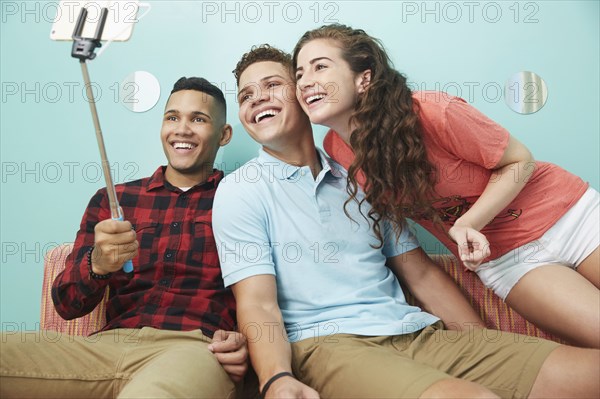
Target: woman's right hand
(473,247)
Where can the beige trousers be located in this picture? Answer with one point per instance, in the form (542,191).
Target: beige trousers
(352,366)
(122,363)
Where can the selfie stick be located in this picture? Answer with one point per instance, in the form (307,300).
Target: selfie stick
(83,49)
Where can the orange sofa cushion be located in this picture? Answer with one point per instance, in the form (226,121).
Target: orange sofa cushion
(491,308)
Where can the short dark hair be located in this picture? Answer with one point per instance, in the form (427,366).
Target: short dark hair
(264,52)
(204,86)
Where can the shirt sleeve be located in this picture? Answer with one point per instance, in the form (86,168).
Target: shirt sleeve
(74,292)
(240,228)
(394,245)
(472,136)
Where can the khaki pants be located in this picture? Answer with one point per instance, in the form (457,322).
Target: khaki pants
(404,366)
(123,363)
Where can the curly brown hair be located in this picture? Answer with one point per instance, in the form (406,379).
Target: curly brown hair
(387,142)
(264,52)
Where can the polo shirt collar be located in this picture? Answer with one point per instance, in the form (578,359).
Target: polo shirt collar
(282,170)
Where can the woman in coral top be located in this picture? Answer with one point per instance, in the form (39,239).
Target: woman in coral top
(529,229)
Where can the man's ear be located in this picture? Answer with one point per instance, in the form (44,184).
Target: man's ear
(226,134)
(363,80)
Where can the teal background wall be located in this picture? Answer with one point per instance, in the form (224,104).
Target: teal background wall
(49,158)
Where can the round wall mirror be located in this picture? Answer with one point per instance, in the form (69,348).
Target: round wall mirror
(139,91)
(525,92)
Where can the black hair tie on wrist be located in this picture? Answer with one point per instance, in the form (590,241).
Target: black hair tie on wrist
(272,380)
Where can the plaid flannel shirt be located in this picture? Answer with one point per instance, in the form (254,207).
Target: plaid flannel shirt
(176,282)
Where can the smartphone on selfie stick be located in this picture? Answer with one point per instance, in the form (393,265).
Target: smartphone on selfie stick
(84,50)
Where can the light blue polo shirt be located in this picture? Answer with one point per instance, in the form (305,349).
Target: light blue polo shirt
(270,217)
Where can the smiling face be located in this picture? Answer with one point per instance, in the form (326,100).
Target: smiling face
(193,129)
(269,110)
(327,88)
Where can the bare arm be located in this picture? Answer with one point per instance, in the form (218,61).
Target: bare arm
(434,289)
(509,177)
(259,318)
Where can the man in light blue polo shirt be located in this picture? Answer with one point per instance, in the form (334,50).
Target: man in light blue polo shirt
(288,220)
(314,296)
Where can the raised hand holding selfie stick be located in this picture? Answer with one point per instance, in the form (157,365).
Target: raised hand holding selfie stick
(83,49)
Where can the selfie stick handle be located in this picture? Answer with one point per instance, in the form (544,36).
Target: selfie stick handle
(83,49)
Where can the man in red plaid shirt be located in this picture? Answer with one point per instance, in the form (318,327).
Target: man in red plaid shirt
(169,330)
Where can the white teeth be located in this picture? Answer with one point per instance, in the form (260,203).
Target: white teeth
(186,146)
(269,112)
(314,98)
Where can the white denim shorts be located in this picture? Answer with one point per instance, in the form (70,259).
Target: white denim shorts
(568,242)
